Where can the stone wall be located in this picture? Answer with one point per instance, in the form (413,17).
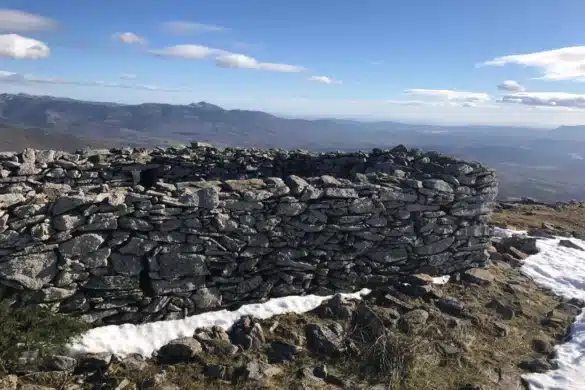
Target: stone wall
(141,235)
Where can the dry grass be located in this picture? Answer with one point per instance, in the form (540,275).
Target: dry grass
(571,218)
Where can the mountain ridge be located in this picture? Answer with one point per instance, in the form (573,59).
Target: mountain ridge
(519,154)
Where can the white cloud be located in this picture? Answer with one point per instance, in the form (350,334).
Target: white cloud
(22,48)
(431,103)
(324,80)
(546,99)
(567,63)
(511,86)
(189,52)
(232,60)
(27,79)
(223,58)
(130,38)
(19,21)
(450,95)
(181,27)
(128,76)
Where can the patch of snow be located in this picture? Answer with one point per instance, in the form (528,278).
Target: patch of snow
(499,232)
(562,270)
(147,338)
(441,279)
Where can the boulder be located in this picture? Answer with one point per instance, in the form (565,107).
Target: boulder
(180,350)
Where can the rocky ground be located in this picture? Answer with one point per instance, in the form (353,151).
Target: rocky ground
(481,330)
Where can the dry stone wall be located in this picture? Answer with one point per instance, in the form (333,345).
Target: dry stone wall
(136,235)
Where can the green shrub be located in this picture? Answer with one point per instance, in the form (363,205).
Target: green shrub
(34,331)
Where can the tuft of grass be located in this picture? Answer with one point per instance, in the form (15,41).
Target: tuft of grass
(35,332)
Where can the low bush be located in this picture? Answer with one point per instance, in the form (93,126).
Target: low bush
(30,334)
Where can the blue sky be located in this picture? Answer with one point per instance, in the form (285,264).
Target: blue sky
(417,61)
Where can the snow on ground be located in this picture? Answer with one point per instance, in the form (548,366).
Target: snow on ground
(563,271)
(144,339)
(441,279)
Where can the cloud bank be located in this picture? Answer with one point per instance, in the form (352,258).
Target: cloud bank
(450,95)
(188,52)
(546,99)
(22,22)
(183,28)
(241,61)
(224,59)
(27,79)
(21,48)
(566,63)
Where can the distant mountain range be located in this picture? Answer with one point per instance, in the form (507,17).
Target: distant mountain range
(531,162)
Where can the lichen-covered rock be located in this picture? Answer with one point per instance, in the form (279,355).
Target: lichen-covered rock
(30,271)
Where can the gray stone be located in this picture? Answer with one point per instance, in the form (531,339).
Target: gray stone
(177,286)
(41,232)
(206,198)
(340,192)
(52,294)
(570,244)
(7,200)
(97,259)
(68,221)
(291,209)
(257,370)
(540,365)
(138,247)
(296,184)
(101,221)
(325,340)
(61,363)
(8,238)
(479,276)
(81,245)
(206,298)
(362,206)
(135,224)
(435,247)
(224,223)
(68,203)
(45,156)
(179,351)
(177,265)
(27,169)
(92,362)
(391,194)
(127,265)
(438,185)
(30,271)
(112,283)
